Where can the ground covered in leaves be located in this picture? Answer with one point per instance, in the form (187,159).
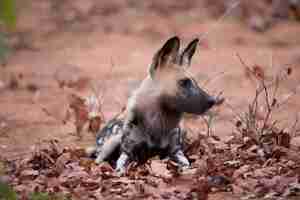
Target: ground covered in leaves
(240,165)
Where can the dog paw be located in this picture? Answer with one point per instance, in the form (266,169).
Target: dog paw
(99,160)
(120,172)
(184,168)
(90,151)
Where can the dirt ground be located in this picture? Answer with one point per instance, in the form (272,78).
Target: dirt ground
(115,50)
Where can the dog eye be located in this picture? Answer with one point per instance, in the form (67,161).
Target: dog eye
(185,83)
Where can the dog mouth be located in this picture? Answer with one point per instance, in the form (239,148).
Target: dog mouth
(216,101)
(212,103)
(219,100)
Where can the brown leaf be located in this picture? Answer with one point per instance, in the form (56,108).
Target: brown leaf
(202,168)
(86,163)
(77,153)
(159,168)
(62,161)
(258,72)
(248,184)
(238,124)
(105,167)
(86,110)
(72,178)
(288,153)
(265,172)
(32,87)
(95,124)
(200,191)
(29,174)
(295,142)
(283,139)
(173,168)
(13,82)
(77,104)
(283,183)
(53,183)
(238,190)
(218,181)
(104,170)
(241,171)
(136,171)
(289,71)
(90,184)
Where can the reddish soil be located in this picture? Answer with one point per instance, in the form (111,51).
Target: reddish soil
(116,59)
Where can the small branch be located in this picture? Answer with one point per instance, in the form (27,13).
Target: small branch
(218,21)
(269,108)
(47,112)
(209,80)
(294,126)
(207,123)
(240,117)
(288,97)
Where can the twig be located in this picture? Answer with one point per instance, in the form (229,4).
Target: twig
(218,21)
(100,99)
(267,125)
(117,115)
(288,97)
(240,117)
(46,111)
(269,111)
(209,80)
(294,126)
(208,124)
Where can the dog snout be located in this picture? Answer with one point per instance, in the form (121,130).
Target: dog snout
(211,101)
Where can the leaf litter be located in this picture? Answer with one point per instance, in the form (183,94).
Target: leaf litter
(239,168)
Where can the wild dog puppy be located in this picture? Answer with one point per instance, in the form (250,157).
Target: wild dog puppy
(154,111)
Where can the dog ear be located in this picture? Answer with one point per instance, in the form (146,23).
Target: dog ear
(165,56)
(187,54)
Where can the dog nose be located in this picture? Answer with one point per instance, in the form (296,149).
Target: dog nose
(211,101)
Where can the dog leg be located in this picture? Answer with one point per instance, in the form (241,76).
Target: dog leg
(181,159)
(122,163)
(175,148)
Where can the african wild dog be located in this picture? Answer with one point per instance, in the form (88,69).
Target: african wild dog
(153,113)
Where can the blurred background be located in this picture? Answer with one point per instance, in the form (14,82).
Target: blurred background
(49,44)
